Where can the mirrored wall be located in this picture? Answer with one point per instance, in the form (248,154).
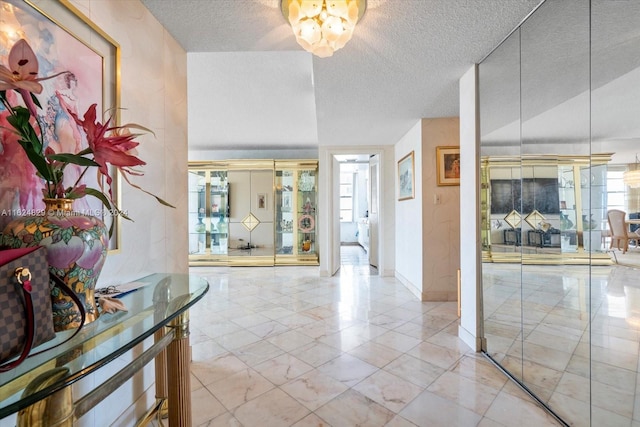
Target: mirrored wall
(560,137)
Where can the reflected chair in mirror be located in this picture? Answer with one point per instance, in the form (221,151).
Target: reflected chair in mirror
(605,236)
(634,227)
(620,234)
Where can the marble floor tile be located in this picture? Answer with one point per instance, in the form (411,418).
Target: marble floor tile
(316,353)
(343,340)
(258,352)
(466,392)
(284,347)
(268,329)
(388,390)
(239,388)
(237,339)
(479,369)
(527,415)
(312,420)
(347,369)
(216,369)
(414,370)
(398,421)
(282,369)
(376,354)
(205,407)
(206,350)
(429,409)
(397,341)
(353,409)
(290,340)
(439,356)
(314,389)
(272,409)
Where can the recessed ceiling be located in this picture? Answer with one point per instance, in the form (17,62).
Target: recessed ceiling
(402,64)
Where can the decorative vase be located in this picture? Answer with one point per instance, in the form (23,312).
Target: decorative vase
(76,251)
(588,223)
(565,222)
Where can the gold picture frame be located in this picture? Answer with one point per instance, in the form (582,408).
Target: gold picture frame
(448,165)
(406,181)
(63,38)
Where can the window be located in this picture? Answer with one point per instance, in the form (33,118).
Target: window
(616,190)
(346,193)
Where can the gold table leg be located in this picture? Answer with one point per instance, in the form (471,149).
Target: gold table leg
(56,410)
(161,377)
(179,377)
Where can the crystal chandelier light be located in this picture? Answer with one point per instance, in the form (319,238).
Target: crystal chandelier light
(323,26)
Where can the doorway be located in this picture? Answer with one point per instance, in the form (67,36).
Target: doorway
(384,239)
(354,208)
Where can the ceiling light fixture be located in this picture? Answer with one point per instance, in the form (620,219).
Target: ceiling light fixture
(323,26)
(631,177)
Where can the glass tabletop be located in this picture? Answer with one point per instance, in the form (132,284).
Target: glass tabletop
(159,299)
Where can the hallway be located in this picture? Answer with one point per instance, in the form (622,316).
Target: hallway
(281,346)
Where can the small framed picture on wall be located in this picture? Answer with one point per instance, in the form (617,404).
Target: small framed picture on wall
(405,177)
(448,165)
(262,201)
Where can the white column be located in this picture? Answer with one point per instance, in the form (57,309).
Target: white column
(470,330)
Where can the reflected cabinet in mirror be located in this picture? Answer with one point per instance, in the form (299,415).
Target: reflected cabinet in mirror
(559,104)
(545,209)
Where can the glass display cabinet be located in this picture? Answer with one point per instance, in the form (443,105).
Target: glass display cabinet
(253,212)
(208,214)
(545,209)
(296,200)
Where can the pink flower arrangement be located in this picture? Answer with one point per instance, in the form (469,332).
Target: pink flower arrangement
(109,145)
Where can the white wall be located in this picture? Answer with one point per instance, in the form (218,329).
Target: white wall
(408,250)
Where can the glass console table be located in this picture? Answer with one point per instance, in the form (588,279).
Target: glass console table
(40,388)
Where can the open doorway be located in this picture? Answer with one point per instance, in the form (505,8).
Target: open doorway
(354,214)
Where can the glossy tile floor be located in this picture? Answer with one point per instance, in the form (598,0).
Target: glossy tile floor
(281,346)
(588,372)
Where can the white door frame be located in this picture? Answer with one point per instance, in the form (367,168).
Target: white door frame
(328,222)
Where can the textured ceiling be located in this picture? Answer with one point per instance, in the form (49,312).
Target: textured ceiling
(403,64)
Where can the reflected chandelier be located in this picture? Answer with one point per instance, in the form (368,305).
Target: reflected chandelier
(631,177)
(323,26)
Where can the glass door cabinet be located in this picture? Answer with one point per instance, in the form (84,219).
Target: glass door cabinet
(239,216)
(296,201)
(208,214)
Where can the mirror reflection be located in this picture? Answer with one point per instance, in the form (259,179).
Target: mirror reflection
(560,208)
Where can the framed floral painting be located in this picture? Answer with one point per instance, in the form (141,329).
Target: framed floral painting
(63,39)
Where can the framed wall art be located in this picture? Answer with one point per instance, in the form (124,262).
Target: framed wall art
(406,174)
(63,39)
(448,165)
(261,201)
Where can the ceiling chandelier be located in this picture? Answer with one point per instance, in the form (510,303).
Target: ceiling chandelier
(631,177)
(323,26)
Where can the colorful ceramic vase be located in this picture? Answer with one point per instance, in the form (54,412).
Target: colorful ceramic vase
(76,251)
